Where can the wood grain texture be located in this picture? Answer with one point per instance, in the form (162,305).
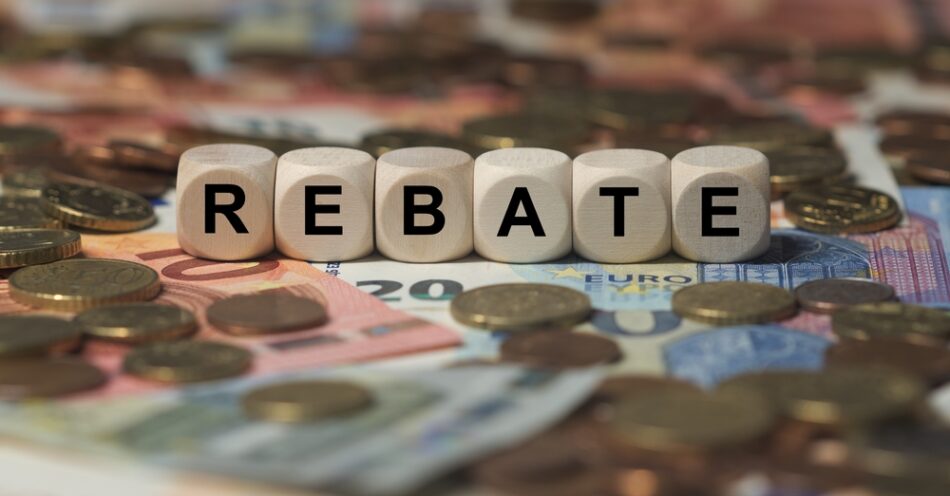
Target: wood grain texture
(744,169)
(546,176)
(448,170)
(252,168)
(345,234)
(643,232)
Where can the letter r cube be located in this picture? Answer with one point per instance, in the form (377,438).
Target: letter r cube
(225,196)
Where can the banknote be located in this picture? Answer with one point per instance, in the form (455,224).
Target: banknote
(420,425)
(632,301)
(360,327)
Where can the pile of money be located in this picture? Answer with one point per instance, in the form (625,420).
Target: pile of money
(820,368)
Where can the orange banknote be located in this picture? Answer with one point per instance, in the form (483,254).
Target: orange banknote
(360,326)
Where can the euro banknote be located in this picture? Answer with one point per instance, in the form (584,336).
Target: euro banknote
(360,327)
(632,301)
(420,425)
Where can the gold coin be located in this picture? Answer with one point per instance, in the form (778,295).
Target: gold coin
(733,303)
(98,207)
(24,213)
(836,396)
(793,168)
(767,136)
(24,379)
(684,420)
(526,130)
(378,143)
(137,323)
(75,285)
(36,336)
(24,183)
(892,320)
(265,313)
(187,361)
(520,307)
(904,449)
(842,210)
(37,246)
(639,110)
(305,401)
(28,139)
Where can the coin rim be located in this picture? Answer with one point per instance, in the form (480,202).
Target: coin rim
(76,303)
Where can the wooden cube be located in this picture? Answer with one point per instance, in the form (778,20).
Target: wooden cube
(621,205)
(720,200)
(523,205)
(323,209)
(424,204)
(226,201)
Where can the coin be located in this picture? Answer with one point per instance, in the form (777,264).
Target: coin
(142,156)
(24,213)
(836,396)
(265,313)
(930,363)
(906,450)
(24,379)
(27,183)
(186,361)
(550,465)
(306,401)
(768,136)
(682,421)
(892,320)
(75,285)
(526,130)
(36,246)
(520,307)
(559,350)
(627,110)
(109,172)
(733,303)
(792,168)
(928,167)
(841,210)
(914,123)
(36,335)
(28,139)
(101,207)
(831,295)
(387,140)
(136,323)
(618,388)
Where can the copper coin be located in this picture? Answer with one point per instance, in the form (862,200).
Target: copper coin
(550,465)
(141,156)
(831,295)
(560,349)
(621,387)
(934,168)
(265,313)
(47,379)
(930,363)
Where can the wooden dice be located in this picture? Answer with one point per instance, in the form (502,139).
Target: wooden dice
(523,205)
(720,198)
(324,204)
(621,205)
(434,204)
(226,201)
(424,204)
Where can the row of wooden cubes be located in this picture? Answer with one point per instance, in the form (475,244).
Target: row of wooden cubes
(430,204)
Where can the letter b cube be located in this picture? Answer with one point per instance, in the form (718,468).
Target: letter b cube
(424,204)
